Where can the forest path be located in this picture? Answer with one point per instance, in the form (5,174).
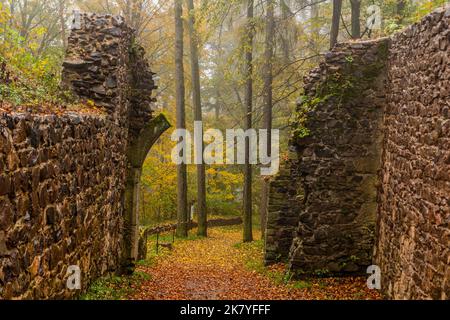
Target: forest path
(221,267)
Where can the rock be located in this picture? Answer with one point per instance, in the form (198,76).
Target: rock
(50,215)
(7,214)
(111,82)
(99,90)
(117,32)
(13,160)
(4,252)
(360,164)
(77,64)
(34,267)
(5,184)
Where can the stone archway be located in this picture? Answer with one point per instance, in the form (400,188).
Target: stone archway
(136,153)
(104,64)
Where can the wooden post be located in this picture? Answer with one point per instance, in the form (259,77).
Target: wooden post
(157,242)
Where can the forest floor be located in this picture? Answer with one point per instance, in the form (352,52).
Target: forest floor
(221,267)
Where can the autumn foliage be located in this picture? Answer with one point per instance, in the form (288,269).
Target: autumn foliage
(222,267)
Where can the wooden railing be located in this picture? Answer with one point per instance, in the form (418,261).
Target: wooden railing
(142,254)
(191,225)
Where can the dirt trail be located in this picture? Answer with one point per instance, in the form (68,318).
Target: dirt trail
(219,268)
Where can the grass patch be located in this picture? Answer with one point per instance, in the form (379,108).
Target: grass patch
(301,285)
(253,253)
(119,287)
(166,237)
(114,287)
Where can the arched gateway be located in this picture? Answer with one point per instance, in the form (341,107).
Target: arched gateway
(105,64)
(69,190)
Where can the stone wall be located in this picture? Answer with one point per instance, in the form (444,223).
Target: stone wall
(104,63)
(285,201)
(69,183)
(334,206)
(61,183)
(413,247)
(373,165)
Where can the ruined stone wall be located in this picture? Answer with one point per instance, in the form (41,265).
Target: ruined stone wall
(286,198)
(104,64)
(413,248)
(61,183)
(64,178)
(373,165)
(338,159)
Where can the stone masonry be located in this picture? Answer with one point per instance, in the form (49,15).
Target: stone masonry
(69,183)
(372,166)
(338,161)
(413,247)
(286,198)
(61,184)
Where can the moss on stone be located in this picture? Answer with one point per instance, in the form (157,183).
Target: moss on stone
(340,87)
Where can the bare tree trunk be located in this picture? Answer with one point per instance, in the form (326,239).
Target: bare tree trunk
(356,14)
(267,98)
(12,11)
(217,111)
(182,206)
(400,10)
(127,11)
(248,234)
(197,103)
(62,21)
(263,209)
(337,8)
(285,31)
(142,207)
(315,30)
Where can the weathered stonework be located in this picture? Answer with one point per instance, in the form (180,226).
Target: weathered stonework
(413,248)
(333,205)
(61,181)
(69,183)
(105,64)
(286,197)
(102,56)
(374,172)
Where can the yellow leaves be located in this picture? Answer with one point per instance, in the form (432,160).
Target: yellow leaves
(90,103)
(223,189)
(221,267)
(40,31)
(426,6)
(37,74)
(159,182)
(3,16)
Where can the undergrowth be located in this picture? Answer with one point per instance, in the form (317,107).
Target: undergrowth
(114,287)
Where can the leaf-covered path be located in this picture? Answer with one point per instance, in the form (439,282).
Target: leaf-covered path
(220,267)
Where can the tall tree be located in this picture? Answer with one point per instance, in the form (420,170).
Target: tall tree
(356,14)
(286,16)
(197,103)
(29,16)
(335,20)
(268,104)
(249,35)
(182,204)
(62,21)
(315,31)
(400,10)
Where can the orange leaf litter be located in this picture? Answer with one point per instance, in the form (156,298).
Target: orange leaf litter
(214,268)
